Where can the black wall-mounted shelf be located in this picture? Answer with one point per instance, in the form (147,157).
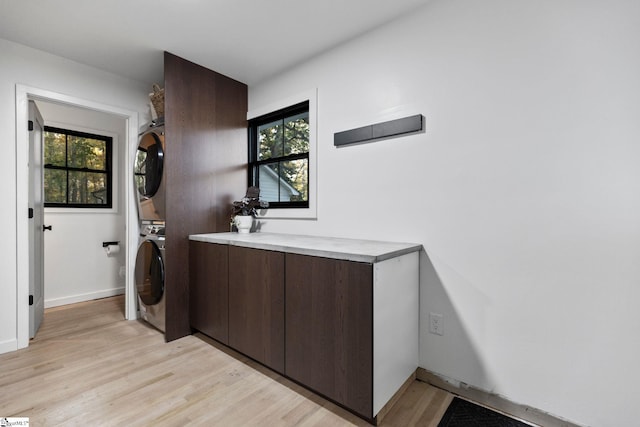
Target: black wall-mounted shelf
(392,128)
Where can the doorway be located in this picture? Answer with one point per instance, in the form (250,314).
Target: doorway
(23,95)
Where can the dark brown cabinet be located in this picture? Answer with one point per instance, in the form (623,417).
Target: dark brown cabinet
(345,325)
(209,289)
(329,324)
(256,305)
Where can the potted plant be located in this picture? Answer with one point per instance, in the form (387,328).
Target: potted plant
(243,211)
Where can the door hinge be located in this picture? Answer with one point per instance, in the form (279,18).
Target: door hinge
(30,125)
(30,213)
(30,299)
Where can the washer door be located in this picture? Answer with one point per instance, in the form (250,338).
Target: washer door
(149,273)
(149,165)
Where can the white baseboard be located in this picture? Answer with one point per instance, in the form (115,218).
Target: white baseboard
(494,401)
(72,299)
(9,345)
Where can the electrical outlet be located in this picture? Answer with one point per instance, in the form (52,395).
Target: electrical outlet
(436,325)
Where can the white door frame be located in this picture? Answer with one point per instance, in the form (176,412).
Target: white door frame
(23,95)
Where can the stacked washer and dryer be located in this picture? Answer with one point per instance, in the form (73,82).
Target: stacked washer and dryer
(150,260)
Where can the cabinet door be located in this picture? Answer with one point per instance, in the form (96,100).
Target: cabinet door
(256,305)
(209,289)
(329,323)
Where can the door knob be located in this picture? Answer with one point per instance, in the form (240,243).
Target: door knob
(46,227)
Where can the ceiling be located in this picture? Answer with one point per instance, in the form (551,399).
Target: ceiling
(248,40)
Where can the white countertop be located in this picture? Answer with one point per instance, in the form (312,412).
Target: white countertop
(328,247)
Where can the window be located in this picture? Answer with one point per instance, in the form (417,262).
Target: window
(279,156)
(77,169)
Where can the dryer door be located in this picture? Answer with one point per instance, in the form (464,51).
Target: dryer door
(149,165)
(149,273)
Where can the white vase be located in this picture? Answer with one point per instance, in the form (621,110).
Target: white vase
(243,223)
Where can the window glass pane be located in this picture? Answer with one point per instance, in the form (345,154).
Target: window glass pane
(87,153)
(54,148)
(284,181)
(55,186)
(87,188)
(270,140)
(294,181)
(269,188)
(296,134)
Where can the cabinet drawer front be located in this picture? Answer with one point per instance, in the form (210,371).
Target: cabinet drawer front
(256,305)
(209,289)
(329,324)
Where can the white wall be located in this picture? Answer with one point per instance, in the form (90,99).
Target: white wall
(76,266)
(525,187)
(33,68)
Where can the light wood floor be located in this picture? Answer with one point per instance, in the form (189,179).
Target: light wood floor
(90,367)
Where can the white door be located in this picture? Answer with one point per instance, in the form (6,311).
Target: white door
(36,225)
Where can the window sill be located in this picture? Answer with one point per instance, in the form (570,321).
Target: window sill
(81,210)
(294,213)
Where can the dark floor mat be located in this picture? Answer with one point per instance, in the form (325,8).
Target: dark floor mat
(462,413)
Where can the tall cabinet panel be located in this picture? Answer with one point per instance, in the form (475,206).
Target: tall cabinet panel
(205,168)
(256,305)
